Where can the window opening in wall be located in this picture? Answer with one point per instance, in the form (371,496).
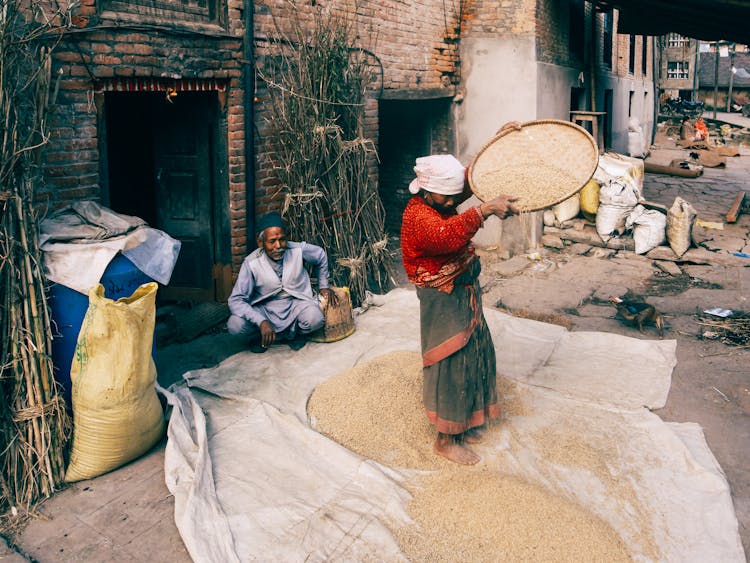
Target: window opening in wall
(644,55)
(631,55)
(630,104)
(677,40)
(576,29)
(607,38)
(204,11)
(678,70)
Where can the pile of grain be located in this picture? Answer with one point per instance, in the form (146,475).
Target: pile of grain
(579,446)
(375,409)
(460,513)
(475,514)
(533,190)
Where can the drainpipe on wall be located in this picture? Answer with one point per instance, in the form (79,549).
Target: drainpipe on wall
(249,124)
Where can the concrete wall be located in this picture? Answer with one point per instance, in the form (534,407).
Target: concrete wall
(554,85)
(499,85)
(642,108)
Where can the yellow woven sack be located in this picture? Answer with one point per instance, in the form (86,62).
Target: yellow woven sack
(117,415)
(590,200)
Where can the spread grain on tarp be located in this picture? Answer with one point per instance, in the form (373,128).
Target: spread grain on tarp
(460,513)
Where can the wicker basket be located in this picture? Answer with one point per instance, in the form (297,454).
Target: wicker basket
(339,321)
(543,164)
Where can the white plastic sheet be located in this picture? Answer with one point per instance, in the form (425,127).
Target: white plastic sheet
(253,481)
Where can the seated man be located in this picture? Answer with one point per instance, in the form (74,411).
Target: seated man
(273,297)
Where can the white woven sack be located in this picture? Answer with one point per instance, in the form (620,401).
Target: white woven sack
(649,228)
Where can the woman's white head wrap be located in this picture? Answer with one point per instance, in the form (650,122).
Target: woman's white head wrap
(440,174)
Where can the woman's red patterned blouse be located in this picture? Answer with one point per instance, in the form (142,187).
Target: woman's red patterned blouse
(436,248)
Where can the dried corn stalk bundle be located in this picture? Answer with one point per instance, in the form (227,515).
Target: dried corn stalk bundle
(33,420)
(316,79)
(543,164)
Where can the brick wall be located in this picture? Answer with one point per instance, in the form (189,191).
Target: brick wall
(413,47)
(490,18)
(552,32)
(144,43)
(415,44)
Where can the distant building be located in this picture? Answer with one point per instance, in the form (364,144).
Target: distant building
(677,71)
(726,75)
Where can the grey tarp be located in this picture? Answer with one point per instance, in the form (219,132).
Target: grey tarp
(79,242)
(253,481)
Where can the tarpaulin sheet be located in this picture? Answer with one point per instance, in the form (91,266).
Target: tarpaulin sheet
(79,242)
(253,481)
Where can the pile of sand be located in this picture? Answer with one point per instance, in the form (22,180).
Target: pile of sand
(460,513)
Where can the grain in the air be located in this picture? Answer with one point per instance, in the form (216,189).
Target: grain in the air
(461,513)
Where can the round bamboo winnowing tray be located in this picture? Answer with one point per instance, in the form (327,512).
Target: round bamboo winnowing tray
(543,164)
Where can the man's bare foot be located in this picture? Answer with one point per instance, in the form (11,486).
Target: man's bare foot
(474,435)
(448,447)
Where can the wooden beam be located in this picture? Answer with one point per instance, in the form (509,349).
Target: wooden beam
(736,208)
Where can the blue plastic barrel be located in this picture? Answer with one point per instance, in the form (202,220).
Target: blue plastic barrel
(68,307)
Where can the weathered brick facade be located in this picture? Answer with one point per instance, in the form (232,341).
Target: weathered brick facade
(203,44)
(111,41)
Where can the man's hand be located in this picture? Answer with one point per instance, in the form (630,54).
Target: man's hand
(267,334)
(502,206)
(330,296)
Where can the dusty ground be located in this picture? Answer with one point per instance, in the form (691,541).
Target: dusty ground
(127,515)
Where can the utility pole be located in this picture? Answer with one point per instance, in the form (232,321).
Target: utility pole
(716,79)
(696,69)
(731,78)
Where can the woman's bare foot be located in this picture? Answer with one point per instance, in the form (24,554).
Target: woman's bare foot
(448,446)
(474,435)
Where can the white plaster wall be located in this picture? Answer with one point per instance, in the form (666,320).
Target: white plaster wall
(499,84)
(642,108)
(554,84)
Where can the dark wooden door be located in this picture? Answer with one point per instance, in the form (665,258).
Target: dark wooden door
(184,207)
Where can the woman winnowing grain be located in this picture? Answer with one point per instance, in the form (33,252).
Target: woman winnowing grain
(458,355)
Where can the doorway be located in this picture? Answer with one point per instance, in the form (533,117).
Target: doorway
(408,129)
(161,166)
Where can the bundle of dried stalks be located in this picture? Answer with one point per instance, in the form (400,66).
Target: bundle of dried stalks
(316,79)
(34,423)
